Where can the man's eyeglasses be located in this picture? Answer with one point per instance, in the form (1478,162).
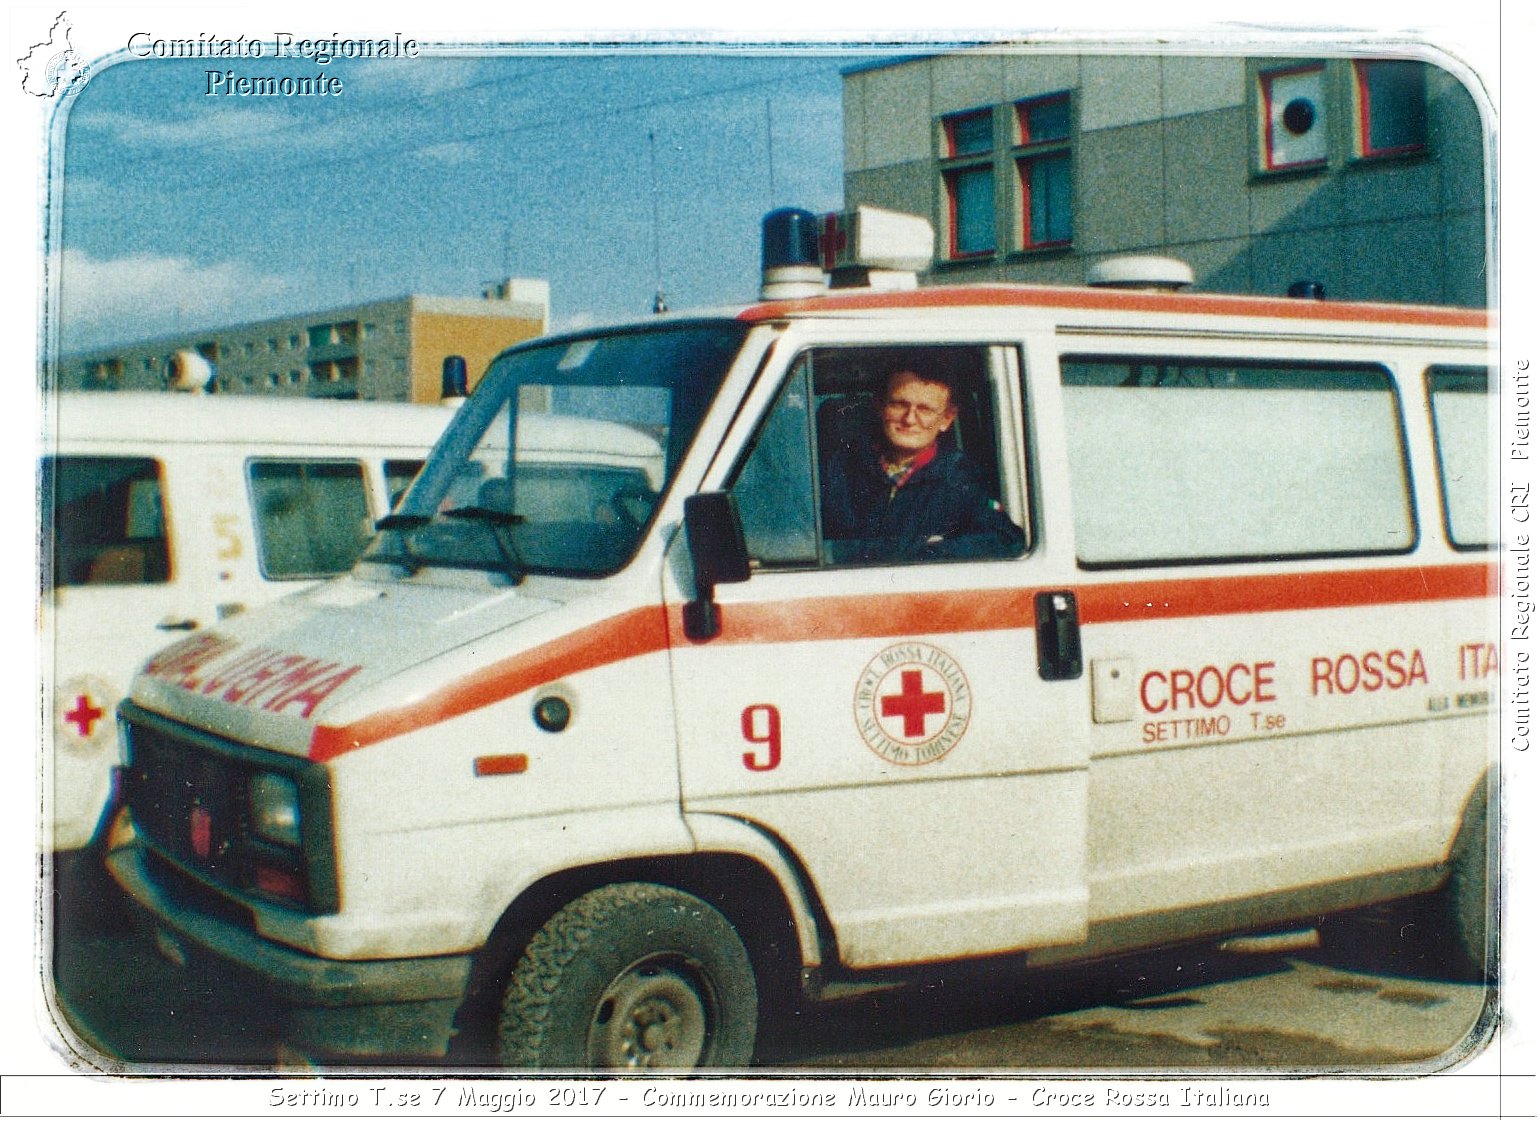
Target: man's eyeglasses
(927,415)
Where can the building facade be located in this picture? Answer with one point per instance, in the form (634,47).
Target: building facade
(386,350)
(1367,176)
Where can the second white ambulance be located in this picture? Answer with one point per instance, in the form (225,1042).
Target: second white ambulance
(616,760)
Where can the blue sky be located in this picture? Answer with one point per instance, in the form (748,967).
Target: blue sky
(436,175)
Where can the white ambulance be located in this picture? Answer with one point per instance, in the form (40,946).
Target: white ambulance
(611,767)
(168,513)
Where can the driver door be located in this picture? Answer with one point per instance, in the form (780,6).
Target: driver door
(889,724)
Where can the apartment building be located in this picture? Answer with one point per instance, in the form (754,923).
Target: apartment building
(384,350)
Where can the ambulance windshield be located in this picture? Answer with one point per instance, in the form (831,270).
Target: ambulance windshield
(557,462)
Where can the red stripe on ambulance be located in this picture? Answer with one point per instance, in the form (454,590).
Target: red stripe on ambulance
(980,296)
(614,640)
(650,631)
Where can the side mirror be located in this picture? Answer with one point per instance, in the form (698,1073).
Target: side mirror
(720,555)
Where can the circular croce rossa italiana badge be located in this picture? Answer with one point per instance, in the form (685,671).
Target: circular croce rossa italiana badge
(912,703)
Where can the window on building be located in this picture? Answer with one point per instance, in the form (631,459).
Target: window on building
(966,171)
(312,517)
(1044,163)
(105,519)
(108,373)
(1391,107)
(338,369)
(1292,108)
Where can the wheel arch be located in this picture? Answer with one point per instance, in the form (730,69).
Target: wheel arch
(762,898)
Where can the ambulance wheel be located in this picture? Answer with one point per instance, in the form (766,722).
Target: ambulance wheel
(1464,903)
(631,976)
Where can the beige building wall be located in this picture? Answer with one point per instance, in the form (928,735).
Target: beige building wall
(478,341)
(1167,157)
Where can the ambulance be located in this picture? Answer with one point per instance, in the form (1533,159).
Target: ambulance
(168,513)
(605,772)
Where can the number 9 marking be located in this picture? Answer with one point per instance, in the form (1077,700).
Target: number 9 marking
(770,737)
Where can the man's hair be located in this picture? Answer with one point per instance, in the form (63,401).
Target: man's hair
(933,377)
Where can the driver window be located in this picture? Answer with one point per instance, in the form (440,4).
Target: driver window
(882,455)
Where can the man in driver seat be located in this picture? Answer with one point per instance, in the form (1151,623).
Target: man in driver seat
(899,496)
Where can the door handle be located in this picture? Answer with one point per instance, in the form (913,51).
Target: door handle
(177,625)
(1058,655)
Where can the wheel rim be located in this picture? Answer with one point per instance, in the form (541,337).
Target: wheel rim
(655,1015)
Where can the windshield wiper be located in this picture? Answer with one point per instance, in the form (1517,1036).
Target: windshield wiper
(498,522)
(402,523)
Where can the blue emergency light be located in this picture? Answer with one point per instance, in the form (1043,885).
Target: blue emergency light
(790,238)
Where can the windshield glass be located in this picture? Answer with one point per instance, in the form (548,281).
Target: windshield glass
(557,462)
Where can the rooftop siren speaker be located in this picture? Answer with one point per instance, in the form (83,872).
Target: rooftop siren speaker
(792,268)
(1153,274)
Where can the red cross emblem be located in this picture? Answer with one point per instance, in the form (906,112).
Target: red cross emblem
(84,716)
(833,240)
(912,704)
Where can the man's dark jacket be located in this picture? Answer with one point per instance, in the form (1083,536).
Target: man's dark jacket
(941,511)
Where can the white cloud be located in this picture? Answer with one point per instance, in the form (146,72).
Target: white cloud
(452,152)
(103,302)
(434,73)
(232,128)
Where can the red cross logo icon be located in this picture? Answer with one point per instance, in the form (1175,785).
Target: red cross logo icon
(912,704)
(833,240)
(84,716)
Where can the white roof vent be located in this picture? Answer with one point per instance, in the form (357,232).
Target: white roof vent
(1164,274)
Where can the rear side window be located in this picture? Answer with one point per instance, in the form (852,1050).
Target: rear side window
(312,517)
(106,517)
(1460,416)
(1188,461)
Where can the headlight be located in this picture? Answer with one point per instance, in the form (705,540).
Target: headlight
(275,809)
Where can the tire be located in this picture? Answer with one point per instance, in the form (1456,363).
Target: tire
(631,976)
(1465,903)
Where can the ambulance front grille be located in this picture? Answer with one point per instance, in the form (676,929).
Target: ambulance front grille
(168,781)
(188,794)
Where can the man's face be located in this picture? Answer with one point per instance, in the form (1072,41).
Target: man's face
(914,414)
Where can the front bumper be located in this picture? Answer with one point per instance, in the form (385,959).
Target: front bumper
(398,1008)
